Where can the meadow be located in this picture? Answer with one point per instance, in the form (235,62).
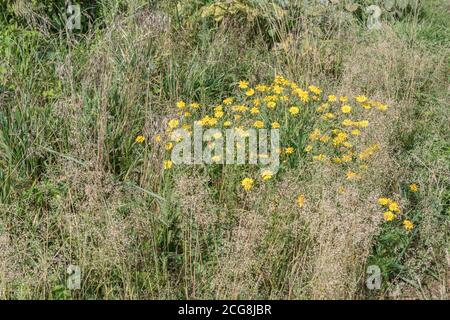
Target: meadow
(92,205)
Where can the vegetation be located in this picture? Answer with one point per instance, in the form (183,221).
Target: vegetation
(86,122)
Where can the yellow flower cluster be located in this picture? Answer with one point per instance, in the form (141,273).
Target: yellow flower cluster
(392,210)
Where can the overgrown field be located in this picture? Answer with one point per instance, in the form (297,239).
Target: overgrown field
(86,135)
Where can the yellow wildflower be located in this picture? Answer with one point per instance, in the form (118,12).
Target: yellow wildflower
(301,200)
(243,84)
(346,108)
(388,216)
(139,139)
(413,187)
(275,125)
(181,104)
(168,164)
(294,110)
(408,225)
(247,183)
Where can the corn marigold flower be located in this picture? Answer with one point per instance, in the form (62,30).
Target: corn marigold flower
(243,84)
(361,99)
(139,139)
(301,200)
(194,105)
(413,187)
(384,201)
(250,92)
(258,124)
(388,216)
(308,148)
(355,132)
(181,104)
(261,88)
(393,206)
(227,123)
(294,110)
(267,175)
(254,110)
(346,109)
(168,164)
(271,104)
(247,183)
(275,125)
(289,150)
(228,101)
(315,89)
(168,146)
(332,98)
(408,225)
(173,123)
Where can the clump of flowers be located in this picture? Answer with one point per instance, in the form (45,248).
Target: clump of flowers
(393,211)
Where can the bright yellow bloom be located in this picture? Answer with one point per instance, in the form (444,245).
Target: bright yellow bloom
(289,150)
(254,110)
(227,123)
(168,164)
(408,225)
(247,183)
(347,122)
(173,123)
(393,206)
(181,104)
(315,89)
(262,88)
(228,101)
(139,139)
(275,125)
(294,110)
(301,200)
(258,124)
(332,98)
(168,146)
(413,187)
(355,132)
(194,105)
(215,158)
(256,102)
(388,216)
(328,116)
(218,114)
(271,104)
(243,84)
(384,201)
(277,89)
(346,108)
(308,148)
(266,175)
(361,99)
(250,92)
